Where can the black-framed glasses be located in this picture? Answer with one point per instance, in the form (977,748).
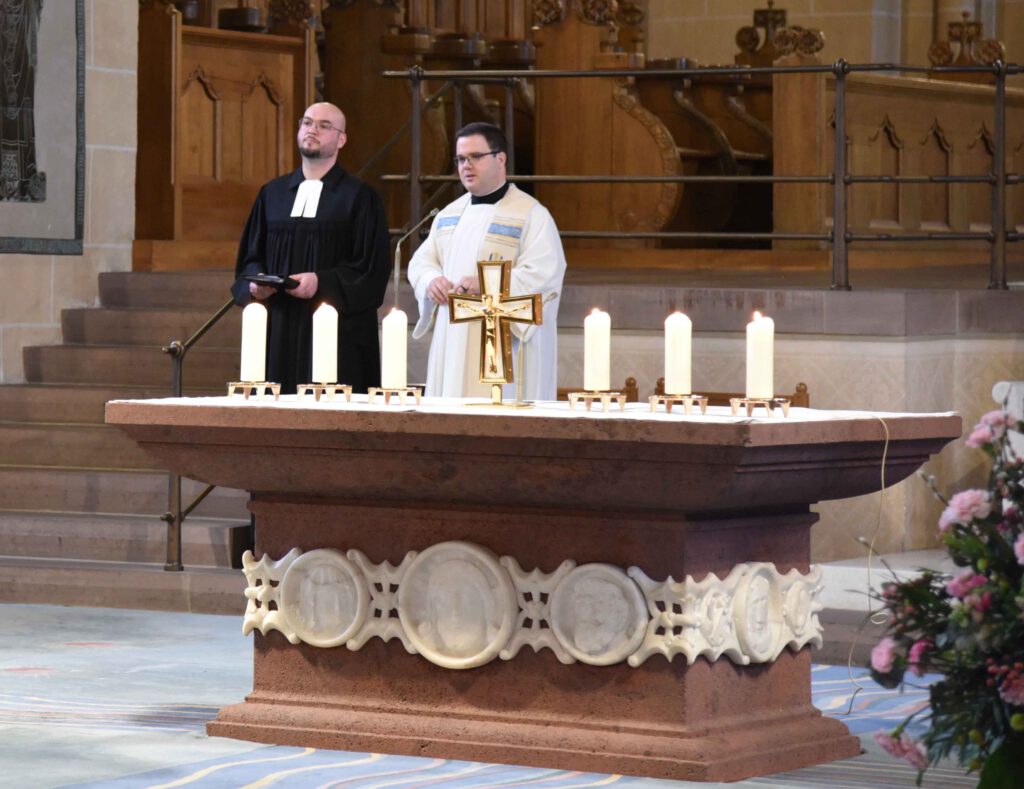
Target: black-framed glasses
(325,126)
(472,157)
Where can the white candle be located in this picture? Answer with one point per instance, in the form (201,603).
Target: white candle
(760,357)
(597,330)
(678,335)
(395,330)
(325,345)
(254,343)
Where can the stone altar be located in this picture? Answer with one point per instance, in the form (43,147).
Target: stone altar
(705,517)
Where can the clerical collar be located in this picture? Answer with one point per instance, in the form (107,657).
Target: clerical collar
(492,198)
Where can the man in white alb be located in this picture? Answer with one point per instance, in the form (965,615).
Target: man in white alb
(493,221)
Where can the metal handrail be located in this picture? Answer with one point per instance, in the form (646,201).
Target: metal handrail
(500,75)
(174,517)
(627,179)
(839,237)
(385,149)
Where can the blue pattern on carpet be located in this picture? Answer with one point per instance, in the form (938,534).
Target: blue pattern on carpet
(103,698)
(872,708)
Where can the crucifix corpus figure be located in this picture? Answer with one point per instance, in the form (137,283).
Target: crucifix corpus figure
(495,309)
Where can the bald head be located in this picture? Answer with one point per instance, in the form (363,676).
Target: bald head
(336,116)
(321,134)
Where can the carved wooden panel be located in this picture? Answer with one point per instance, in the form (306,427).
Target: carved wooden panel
(878,152)
(265,133)
(976,199)
(201,127)
(942,128)
(935,155)
(217,114)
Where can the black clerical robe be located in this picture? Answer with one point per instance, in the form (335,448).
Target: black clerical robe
(347,245)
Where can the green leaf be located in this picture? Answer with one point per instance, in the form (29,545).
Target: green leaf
(1002,769)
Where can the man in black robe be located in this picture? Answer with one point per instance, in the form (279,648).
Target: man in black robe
(327,230)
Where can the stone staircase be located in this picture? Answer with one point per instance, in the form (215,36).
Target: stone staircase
(80,503)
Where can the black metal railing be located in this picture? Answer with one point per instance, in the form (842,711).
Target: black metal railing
(175,516)
(839,237)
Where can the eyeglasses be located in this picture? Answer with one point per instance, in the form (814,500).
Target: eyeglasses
(325,126)
(473,157)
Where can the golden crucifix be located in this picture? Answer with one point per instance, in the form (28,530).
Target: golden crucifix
(495,309)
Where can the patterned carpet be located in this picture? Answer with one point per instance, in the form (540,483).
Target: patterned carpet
(105,698)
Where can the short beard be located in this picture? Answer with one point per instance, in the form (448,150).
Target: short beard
(312,153)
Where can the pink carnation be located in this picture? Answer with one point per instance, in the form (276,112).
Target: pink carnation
(882,655)
(998,421)
(981,436)
(917,652)
(963,584)
(1012,689)
(914,752)
(965,506)
(889,744)
(1018,548)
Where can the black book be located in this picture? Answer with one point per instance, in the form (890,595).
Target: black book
(273,280)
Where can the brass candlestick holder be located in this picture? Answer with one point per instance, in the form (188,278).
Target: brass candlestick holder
(318,390)
(769,404)
(687,401)
(401,392)
(605,398)
(261,387)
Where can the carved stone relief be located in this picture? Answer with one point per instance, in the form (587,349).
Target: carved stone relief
(598,614)
(460,606)
(457,605)
(324,597)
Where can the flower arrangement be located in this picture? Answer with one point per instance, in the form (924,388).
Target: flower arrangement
(969,628)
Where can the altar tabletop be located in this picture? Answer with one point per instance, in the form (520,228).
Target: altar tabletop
(471,453)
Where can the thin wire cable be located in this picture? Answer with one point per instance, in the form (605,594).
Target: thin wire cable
(871,552)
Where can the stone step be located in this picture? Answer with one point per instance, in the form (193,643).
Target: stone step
(118,326)
(121,585)
(113,538)
(74,402)
(70,445)
(193,290)
(101,491)
(124,365)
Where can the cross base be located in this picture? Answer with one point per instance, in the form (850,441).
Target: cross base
(496,400)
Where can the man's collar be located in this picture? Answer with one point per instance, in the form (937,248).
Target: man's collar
(492,198)
(330,179)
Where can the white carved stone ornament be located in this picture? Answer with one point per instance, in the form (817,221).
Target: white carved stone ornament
(598,614)
(457,605)
(460,606)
